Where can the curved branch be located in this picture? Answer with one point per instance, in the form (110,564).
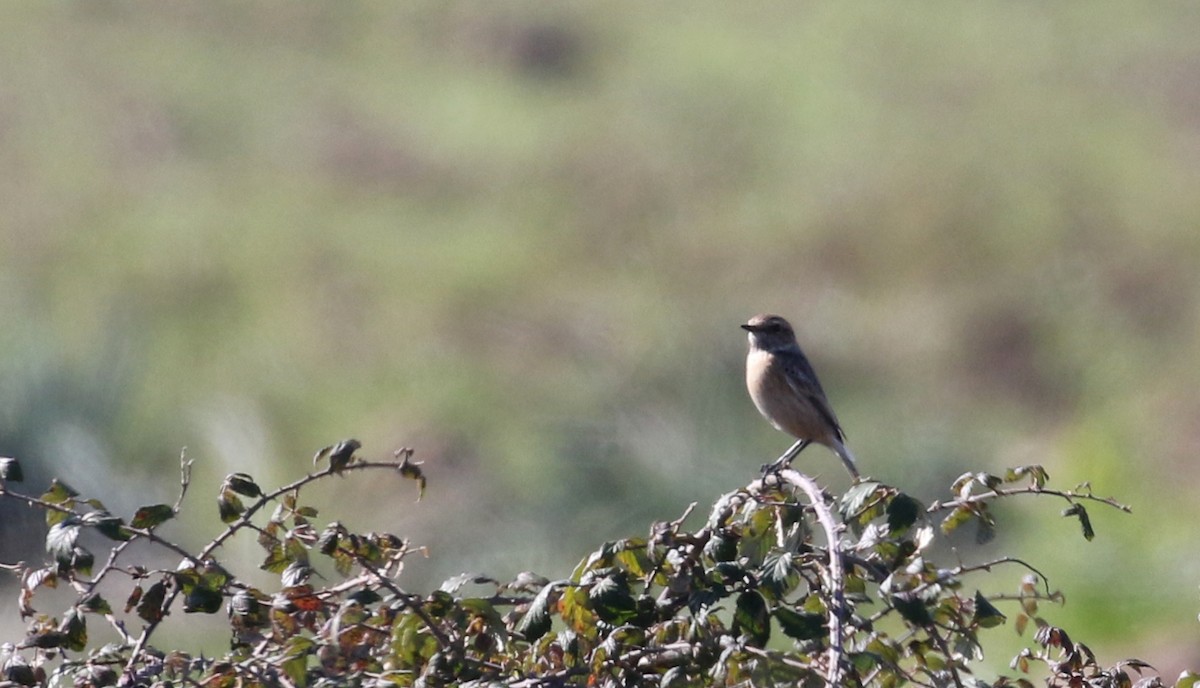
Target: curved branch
(837,578)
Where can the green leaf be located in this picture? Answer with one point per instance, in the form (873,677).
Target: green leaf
(1037,475)
(455,583)
(230,506)
(780,572)
(295,663)
(95,604)
(82,560)
(956,518)
(47,640)
(722,546)
(612,600)
(799,625)
(752,619)
(985,527)
(986,614)
(203,600)
(276,560)
(60,540)
(413,471)
(574,609)
(439,604)
(329,539)
(75,628)
(243,484)
(962,484)
(339,454)
(214,576)
(150,516)
(758,536)
(988,481)
(912,608)
(109,526)
(364,596)
(295,549)
(902,511)
(10,470)
(1136,664)
(857,497)
(536,622)
(59,493)
(246,609)
(1084,521)
(1187,679)
(62,495)
(635,561)
(886,648)
(296,573)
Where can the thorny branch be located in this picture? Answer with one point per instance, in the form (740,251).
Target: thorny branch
(837,580)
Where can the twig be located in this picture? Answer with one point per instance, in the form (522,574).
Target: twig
(185,478)
(409,600)
(941,643)
(295,485)
(1069,495)
(673,528)
(147,533)
(963,569)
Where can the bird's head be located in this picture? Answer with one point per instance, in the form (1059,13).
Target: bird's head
(770,332)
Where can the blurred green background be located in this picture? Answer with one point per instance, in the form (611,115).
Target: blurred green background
(519,237)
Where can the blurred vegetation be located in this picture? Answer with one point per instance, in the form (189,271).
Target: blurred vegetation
(521,236)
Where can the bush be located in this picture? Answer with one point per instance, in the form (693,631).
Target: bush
(782,583)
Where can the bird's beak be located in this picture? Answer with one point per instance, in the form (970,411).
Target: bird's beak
(747,328)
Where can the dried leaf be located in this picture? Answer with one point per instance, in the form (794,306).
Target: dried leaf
(339,454)
(1084,522)
(149,607)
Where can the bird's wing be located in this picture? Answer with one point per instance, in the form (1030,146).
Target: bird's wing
(803,380)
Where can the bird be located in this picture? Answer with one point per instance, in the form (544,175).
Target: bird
(785,389)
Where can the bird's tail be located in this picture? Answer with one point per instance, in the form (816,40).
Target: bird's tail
(847,458)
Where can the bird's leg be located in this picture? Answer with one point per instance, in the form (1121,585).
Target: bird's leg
(787,457)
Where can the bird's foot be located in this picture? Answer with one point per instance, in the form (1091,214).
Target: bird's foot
(776,465)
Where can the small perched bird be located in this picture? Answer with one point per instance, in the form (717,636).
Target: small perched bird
(785,389)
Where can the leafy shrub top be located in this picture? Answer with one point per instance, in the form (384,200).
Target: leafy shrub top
(781,584)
